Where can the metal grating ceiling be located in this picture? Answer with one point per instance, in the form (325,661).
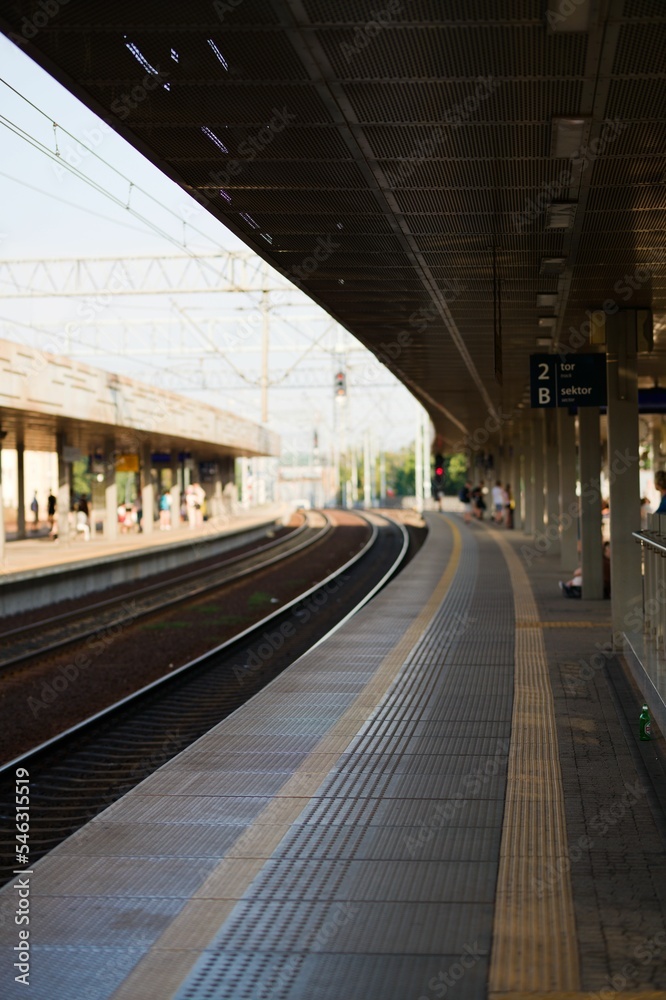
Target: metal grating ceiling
(410,148)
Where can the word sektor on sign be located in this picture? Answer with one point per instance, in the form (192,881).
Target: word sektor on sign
(567,380)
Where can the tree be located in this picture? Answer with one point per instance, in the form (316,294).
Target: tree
(456,473)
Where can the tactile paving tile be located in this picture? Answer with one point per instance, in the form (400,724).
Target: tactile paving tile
(107,877)
(220,783)
(382,977)
(92,974)
(148,840)
(101,921)
(419,881)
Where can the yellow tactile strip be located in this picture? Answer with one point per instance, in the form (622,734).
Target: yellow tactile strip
(204,913)
(603,994)
(569,624)
(534,944)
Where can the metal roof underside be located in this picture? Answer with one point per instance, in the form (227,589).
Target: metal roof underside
(379,149)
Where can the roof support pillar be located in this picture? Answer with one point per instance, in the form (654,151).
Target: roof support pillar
(64,489)
(147,490)
(552,482)
(515,473)
(175,489)
(2,506)
(568,502)
(20,480)
(623,474)
(110,492)
(590,501)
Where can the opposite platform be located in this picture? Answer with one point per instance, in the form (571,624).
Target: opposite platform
(38,571)
(391,817)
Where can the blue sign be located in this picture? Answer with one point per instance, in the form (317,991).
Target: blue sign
(567,380)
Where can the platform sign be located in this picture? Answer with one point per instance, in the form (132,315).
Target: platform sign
(567,380)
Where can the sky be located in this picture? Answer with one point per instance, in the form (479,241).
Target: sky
(67,180)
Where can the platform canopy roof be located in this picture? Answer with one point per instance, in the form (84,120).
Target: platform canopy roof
(401,159)
(47,400)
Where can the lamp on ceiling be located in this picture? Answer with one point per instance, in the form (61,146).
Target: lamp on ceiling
(563,17)
(567,137)
(552,266)
(560,215)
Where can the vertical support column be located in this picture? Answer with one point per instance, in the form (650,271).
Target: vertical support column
(20,480)
(427,461)
(514,478)
(147,491)
(655,434)
(63,497)
(175,490)
(418,461)
(217,505)
(2,505)
(568,501)
(367,473)
(110,492)
(623,455)
(552,482)
(538,472)
(590,501)
(528,473)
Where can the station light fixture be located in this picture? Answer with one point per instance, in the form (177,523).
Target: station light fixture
(560,215)
(544,341)
(547,322)
(568,136)
(570,16)
(546,300)
(552,266)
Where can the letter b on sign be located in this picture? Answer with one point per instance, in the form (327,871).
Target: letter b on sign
(544,395)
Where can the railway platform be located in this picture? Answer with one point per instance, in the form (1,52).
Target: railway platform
(38,571)
(447,797)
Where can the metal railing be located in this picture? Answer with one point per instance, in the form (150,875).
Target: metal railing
(653,550)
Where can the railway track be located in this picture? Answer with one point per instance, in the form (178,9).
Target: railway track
(38,639)
(77,774)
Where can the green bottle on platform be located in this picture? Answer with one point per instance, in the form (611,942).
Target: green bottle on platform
(644,724)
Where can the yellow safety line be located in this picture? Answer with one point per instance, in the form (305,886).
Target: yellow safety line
(172,957)
(534,944)
(605,991)
(569,624)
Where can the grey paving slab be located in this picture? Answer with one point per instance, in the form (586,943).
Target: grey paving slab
(392,843)
(90,973)
(355,880)
(331,976)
